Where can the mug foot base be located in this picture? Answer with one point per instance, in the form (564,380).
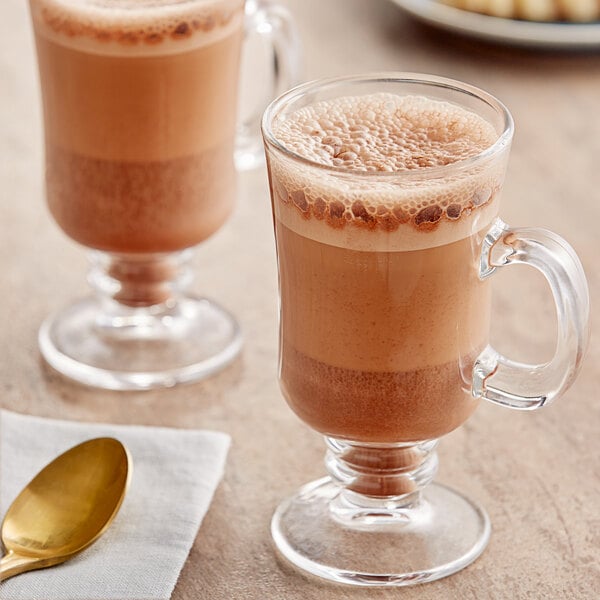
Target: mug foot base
(140,349)
(438,535)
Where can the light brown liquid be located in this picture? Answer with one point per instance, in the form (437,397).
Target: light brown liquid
(382,309)
(139,105)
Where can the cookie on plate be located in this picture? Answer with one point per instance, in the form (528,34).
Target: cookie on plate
(534,10)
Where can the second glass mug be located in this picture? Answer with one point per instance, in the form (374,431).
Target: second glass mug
(384,322)
(140,102)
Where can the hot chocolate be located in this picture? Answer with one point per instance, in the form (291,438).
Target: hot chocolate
(383,313)
(140,102)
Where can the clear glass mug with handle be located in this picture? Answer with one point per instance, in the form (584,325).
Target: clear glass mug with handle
(385,192)
(140,102)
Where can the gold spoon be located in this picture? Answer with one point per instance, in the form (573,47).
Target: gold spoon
(66,507)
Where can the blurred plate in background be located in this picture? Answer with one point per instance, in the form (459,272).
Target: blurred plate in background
(507,31)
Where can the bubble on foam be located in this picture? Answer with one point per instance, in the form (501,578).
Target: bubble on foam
(145,26)
(385,133)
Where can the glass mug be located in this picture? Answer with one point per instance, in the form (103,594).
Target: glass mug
(385,313)
(140,102)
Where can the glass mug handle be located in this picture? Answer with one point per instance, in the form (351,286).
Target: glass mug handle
(524,386)
(275,28)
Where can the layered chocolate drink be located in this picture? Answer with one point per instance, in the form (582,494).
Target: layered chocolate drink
(383,312)
(385,191)
(139,102)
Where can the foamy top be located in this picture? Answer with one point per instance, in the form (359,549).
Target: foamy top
(407,137)
(136,27)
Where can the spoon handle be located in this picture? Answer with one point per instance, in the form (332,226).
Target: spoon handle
(14,564)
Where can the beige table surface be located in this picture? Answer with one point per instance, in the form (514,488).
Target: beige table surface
(538,474)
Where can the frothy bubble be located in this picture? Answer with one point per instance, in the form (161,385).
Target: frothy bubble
(385,132)
(143,26)
(381,133)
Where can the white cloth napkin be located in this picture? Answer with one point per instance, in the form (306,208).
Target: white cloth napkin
(175,473)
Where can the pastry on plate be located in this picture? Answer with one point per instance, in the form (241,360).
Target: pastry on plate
(534,10)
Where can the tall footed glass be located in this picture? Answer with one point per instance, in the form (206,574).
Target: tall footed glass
(385,193)
(140,102)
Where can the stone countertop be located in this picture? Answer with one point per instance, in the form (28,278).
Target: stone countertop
(537,474)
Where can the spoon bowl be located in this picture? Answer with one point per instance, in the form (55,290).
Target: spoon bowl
(66,507)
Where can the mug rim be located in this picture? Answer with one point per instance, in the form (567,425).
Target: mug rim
(502,142)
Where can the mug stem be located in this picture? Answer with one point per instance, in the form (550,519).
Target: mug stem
(139,280)
(379,482)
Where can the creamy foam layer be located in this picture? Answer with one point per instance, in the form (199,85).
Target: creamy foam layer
(385,132)
(143,27)
(414,139)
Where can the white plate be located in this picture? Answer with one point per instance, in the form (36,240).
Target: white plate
(523,33)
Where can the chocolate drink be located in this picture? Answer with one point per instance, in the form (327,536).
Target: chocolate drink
(382,309)
(139,104)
